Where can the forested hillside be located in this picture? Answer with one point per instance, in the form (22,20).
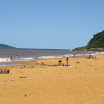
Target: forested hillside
(97,41)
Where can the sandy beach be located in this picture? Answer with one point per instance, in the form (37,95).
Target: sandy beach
(44,82)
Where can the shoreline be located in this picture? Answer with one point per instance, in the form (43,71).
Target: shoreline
(46,57)
(40,62)
(21,59)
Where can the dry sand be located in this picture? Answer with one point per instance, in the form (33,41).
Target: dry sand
(34,83)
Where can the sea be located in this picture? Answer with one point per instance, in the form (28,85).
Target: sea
(35,54)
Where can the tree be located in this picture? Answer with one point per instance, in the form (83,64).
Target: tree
(97,41)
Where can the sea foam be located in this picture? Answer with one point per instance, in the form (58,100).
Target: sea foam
(3,60)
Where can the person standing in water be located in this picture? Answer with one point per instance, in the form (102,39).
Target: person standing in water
(7,59)
(56,55)
(11,58)
(16,57)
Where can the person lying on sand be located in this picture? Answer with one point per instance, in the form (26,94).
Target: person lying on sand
(62,64)
(5,70)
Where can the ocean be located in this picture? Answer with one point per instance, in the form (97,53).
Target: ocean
(34,54)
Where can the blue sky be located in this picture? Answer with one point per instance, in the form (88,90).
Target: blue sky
(50,24)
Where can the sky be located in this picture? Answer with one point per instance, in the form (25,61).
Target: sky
(50,24)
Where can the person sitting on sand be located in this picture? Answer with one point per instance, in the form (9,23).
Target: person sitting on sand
(90,57)
(94,58)
(5,70)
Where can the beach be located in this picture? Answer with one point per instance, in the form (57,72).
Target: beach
(44,82)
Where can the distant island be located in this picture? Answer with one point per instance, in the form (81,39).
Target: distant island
(95,44)
(5,46)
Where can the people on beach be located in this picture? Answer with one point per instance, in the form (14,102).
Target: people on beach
(67,61)
(11,58)
(94,58)
(73,55)
(90,57)
(7,59)
(62,64)
(5,70)
(16,57)
(56,55)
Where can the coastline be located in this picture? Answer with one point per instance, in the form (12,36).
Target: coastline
(70,54)
(49,83)
(34,54)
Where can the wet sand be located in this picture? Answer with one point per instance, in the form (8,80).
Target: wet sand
(44,82)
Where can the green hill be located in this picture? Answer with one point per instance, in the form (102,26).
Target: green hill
(97,41)
(5,46)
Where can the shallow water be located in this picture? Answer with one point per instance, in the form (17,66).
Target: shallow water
(33,54)
(5,64)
